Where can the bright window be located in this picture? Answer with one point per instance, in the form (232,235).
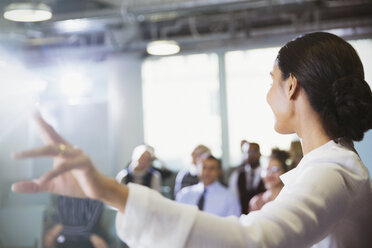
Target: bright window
(250,117)
(180,96)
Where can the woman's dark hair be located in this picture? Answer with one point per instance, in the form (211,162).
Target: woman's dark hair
(331,73)
(282,156)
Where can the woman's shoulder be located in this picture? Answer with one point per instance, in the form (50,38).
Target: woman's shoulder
(336,166)
(337,158)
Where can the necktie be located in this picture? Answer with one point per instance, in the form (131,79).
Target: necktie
(201,200)
(251,179)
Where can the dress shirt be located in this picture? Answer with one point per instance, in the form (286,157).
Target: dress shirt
(218,199)
(233,180)
(326,201)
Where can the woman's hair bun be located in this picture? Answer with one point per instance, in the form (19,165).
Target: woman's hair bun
(352,106)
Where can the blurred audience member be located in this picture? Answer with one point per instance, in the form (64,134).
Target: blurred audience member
(245,181)
(276,167)
(188,176)
(77,224)
(167,177)
(210,195)
(231,169)
(140,169)
(243,144)
(295,153)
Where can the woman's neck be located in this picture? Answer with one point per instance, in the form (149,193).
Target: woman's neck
(313,141)
(310,129)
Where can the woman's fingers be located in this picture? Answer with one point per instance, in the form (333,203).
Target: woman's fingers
(60,150)
(74,163)
(49,135)
(47,184)
(31,186)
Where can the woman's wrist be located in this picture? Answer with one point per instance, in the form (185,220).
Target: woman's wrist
(113,193)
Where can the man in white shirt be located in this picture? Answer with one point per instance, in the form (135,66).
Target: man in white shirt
(210,195)
(188,176)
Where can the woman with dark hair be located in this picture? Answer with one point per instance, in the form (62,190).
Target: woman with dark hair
(271,177)
(318,92)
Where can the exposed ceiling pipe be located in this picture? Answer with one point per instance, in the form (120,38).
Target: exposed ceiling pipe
(193,26)
(172,28)
(145,7)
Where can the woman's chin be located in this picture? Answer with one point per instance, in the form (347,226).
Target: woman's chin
(278,129)
(282,129)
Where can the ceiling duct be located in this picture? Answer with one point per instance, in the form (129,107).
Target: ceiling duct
(129,25)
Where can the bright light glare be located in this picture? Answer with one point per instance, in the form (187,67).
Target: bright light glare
(74,84)
(26,12)
(19,88)
(16,81)
(163,47)
(40,86)
(19,94)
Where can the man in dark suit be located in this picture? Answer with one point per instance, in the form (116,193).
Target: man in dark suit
(245,181)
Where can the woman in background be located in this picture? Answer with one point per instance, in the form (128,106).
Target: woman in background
(276,167)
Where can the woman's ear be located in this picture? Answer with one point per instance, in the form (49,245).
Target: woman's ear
(293,87)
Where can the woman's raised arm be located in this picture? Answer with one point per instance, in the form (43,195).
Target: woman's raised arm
(73,173)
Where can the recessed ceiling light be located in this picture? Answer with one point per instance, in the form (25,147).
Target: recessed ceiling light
(163,47)
(27,12)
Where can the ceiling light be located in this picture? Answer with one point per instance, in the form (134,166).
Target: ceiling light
(163,47)
(27,12)
(76,25)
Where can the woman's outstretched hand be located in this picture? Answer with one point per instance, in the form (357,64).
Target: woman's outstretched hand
(73,172)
